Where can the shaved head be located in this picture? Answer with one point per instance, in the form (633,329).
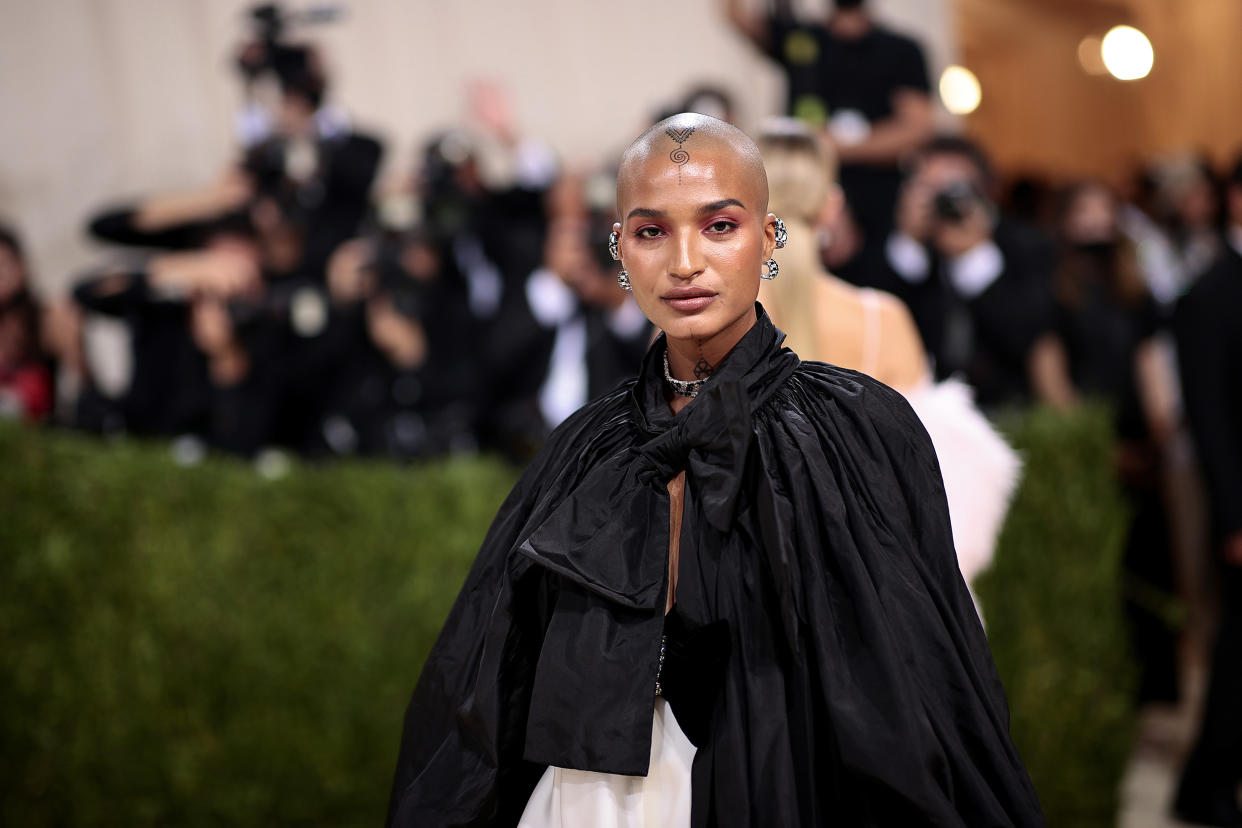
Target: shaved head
(693,235)
(693,138)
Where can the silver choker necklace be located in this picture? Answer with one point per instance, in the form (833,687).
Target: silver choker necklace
(680,387)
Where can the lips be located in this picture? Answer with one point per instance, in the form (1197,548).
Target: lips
(689,299)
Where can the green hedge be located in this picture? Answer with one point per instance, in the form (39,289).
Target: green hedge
(204,646)
(1052,601)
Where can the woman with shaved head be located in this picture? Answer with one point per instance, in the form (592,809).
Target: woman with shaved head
(724,594)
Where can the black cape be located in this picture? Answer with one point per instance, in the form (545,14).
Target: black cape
(858,689)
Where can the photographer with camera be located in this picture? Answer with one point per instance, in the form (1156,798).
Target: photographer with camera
(299,152)
(312,159)
(979,286)
(169,384)
(241,299)
(864,83)
(572,333)
(409,380)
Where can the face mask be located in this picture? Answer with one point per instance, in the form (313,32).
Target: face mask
(1098,249)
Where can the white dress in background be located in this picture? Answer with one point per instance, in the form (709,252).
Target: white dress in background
(585,799)
(980,470)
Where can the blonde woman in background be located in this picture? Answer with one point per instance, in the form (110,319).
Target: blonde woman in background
(828,320)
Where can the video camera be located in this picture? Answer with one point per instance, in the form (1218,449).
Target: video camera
(269,51)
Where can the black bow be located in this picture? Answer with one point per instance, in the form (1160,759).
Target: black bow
(591,703)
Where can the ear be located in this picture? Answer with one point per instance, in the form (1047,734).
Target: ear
(769,236)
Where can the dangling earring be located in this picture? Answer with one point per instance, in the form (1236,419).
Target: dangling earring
(782,238)
(623,278)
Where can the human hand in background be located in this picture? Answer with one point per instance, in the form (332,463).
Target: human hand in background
(914,209)
(349,278)
(953,238)
(223,271)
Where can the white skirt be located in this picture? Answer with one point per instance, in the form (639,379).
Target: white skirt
(585,799)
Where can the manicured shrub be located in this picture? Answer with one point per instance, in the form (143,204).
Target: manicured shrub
(1053,605)
(203,646)
(207,647)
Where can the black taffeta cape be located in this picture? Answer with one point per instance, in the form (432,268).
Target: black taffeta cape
(858,689)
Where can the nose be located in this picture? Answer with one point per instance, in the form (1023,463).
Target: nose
(687,261)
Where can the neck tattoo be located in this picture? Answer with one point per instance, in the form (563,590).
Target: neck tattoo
(679,156)
(703,369)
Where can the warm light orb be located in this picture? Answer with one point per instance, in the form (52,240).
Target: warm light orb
(960,90)
(1089,56)
(1127,53)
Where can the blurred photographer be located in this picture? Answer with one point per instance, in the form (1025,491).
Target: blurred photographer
(311,158)
(408,384)
(979,286)
(579,334)
(299,152)
(169,383)
(235,321)
(864,83)
(480,192)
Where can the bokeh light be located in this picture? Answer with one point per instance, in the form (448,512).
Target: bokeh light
(960,90)
(1127,53)
(1090,57)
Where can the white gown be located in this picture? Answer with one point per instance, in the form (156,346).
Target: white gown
(980,470)
(585,799)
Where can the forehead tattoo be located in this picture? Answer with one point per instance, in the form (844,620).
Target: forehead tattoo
(679,156)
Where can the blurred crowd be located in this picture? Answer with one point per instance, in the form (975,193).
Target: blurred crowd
(298,302)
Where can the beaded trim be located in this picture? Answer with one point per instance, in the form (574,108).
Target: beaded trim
(681,387)
(659,690)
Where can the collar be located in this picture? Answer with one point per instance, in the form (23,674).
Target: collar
(974,271)
(757,364)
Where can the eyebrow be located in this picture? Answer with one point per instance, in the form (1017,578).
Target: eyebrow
(647,212)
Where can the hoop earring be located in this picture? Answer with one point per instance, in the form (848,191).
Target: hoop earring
(782,235)
(773,269)
(623,278)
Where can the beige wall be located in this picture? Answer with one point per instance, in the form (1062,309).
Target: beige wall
(1042,113)
(104,99)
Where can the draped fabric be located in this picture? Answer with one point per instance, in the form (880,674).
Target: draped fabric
(857,689)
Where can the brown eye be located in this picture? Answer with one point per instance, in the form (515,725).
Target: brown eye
(722,226)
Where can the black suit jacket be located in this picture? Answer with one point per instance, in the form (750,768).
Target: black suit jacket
(1208,323)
